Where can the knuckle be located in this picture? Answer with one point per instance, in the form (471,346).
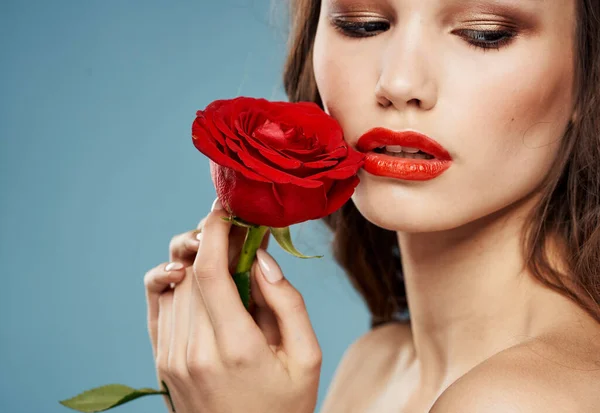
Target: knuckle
(296,302)
(147,279)
(200,364)
(177,371)
(162,365)
(236,356)
(207,271)
(174,242)
(312,361)
(151,274)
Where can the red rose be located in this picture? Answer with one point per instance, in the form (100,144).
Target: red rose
(276,163)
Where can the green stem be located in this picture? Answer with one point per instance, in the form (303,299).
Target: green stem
(254,238)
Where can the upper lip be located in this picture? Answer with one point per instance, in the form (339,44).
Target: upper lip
(377,137)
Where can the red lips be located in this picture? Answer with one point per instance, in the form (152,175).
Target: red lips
(381,164)
(377,137)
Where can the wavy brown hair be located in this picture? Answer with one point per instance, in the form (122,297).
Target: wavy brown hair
(568,210)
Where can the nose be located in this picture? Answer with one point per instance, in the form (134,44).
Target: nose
(406,74)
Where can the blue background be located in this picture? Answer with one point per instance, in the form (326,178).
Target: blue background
(98,172)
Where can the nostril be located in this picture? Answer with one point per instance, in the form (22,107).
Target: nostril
(383,102)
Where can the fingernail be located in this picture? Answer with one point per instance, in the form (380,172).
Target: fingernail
(173,266)
(216,205)
(268,266)
(199,236)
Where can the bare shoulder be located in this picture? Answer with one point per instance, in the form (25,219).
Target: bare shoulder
(365,365)
(555,373)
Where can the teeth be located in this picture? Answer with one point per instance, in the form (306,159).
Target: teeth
(403,152)
(409,155)
(398,149)
(393,148)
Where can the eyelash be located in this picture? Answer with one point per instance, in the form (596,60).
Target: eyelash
(351,29)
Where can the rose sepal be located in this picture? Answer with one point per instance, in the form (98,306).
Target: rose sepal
(238,222)
(284,239)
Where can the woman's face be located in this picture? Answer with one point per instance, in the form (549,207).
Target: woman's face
(500,112)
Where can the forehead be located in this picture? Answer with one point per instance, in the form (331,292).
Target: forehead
(490,5)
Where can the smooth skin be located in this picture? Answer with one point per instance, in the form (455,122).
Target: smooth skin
(485,336)
(213,354)
(378,373)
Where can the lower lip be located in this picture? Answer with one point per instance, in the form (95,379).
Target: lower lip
(404,168)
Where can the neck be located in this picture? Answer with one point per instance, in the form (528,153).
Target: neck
(470,295)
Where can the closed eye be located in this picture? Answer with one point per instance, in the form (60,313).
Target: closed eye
(482,39)
(360,28)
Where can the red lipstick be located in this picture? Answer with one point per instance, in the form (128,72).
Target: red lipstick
(382,164)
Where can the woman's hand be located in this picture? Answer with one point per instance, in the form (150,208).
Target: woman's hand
(214,356)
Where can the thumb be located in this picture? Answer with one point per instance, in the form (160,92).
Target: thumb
(298,338)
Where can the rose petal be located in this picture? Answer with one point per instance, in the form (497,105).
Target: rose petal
(271,134)
(277,196)
(320,164)
(202,122)
(272,154)
(284,163)
(207,146)
(301,204)
(274,174)
(337,173)
(222,126)
(268,171)
(340,193)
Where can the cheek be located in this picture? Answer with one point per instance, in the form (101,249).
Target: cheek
(517,114)
(345,82)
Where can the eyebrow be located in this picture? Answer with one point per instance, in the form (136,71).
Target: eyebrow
(497,3)
(484,4)
(512,8)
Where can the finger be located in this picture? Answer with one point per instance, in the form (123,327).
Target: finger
(164,330)
(164,338)
(263,315)
(180,326)
(184,247)
(215,283)
(201,224)
(298,339)
(201,343)
(156,281)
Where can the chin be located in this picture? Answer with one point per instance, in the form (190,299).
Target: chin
(411,207)
(398,223)
(402,216)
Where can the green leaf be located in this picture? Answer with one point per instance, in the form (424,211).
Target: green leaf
(106,397)
(284,239)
